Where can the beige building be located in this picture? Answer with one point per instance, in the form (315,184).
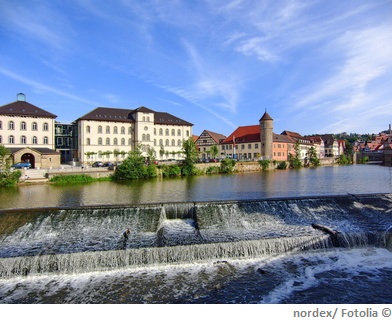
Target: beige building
(206,141)
(109,134)
(28,132)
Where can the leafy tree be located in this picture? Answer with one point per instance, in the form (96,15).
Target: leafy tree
(264,164)
(313,159)
(294,160)
(191,156)
(4,153)
(134,167)
(214,151)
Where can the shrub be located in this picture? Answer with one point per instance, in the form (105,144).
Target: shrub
(227,165)
(10,179)
(171,171)
(282,165)
(264,164)
(213,170)
(72,178)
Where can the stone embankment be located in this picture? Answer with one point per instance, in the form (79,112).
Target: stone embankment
(44,175)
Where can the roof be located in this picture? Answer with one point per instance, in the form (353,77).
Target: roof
(266,116)
(244,134)
(24,108)
(127,116)
(40,150)
(215,136)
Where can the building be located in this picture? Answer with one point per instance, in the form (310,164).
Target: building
(266,136)
(66,141)
(331,146)
(28,132)
(206,141)
(109,134)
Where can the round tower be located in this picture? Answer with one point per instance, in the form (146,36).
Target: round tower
(266,136)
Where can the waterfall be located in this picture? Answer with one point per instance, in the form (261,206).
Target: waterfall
(60,240)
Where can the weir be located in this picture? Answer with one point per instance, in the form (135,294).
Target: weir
(65,240)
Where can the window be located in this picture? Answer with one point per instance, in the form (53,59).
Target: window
(35,140)
(129,130)
(46,140)
(1,140)
(46,126)
(1,124)
(129,141)
(34,126)
(11,139)
(179,143)
(155,131)
(167,132)
(160,131)
(23,125)
(161,142)
(88,141)
(173,143)
(59,141)
(115,130)
(173,132)
(187,133)
(249,146)
(100,141)
(179,132)
(123,130)
(148,137)
(107,129)
(99,129)
(143,137)
(107,141)
(115,141)
(23,139)
(10,125)
(123,141)
(167,142)
(88,129)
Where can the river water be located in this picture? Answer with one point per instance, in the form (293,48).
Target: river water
(320,181)
(236,234)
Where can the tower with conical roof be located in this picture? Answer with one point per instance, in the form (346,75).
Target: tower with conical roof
(266,136)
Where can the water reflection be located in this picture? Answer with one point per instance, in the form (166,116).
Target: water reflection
(283,183)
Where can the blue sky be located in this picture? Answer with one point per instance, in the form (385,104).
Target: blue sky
(316,66)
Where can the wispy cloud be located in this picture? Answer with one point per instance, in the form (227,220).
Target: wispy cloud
(37,86)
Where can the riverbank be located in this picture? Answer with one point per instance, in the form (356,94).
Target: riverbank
(39,176)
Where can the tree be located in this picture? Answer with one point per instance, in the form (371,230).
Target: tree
(294,160)
(313,159)
(134,167)
(4,153)
(191,155)
(214,151)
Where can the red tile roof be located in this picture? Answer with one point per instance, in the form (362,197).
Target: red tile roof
(244,134)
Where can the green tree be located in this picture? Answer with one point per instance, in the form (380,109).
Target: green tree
(4,153)
(313,159)
(190,151)
(7,178)
(214,151)
(134,167)
(294,160)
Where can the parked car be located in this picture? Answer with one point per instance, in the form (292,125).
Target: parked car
(21,165)
(97,164)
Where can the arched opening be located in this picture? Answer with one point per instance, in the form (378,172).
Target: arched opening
(28,157)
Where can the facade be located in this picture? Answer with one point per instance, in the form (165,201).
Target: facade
(66,141)
(28,131)
(304,144)
(109,134)
(266,136)
(205,141)
(331,146)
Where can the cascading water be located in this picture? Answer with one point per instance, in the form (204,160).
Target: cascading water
(90,239)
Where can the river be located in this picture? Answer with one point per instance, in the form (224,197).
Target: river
(336,180)
(222,239)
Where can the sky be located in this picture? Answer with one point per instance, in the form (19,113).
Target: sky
(316,66)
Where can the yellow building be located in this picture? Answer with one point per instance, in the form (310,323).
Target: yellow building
(109,134)
(28,132)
